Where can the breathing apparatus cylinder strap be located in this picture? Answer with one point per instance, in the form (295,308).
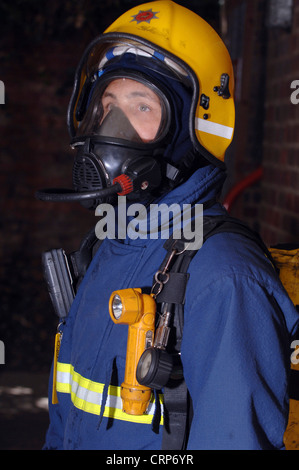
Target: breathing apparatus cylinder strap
(176,407)
(177,400)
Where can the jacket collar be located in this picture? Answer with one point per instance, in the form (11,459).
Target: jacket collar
(205,184)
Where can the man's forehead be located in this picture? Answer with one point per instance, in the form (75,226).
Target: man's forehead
(130,87)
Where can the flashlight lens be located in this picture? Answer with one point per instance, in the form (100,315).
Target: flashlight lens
(154,368)
(117,307)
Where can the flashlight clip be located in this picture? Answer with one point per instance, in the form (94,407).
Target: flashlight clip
(162,276)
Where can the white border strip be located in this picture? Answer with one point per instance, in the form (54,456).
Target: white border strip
(213,128)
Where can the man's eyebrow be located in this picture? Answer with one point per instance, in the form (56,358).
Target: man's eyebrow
(142,94)
(109,94)
(132,94)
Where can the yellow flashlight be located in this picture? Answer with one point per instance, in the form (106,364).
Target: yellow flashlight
(131,307)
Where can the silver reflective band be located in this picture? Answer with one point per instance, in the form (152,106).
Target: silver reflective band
(87,396)
(213,128)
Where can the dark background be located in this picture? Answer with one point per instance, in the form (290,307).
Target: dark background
(40,46)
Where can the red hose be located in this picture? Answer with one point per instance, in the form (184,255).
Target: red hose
(241,186)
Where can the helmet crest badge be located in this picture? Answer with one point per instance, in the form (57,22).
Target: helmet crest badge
(146,16)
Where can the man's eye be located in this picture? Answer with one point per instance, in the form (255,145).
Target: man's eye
(144,108)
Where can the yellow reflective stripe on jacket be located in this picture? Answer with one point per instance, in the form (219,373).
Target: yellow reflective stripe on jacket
(87,396)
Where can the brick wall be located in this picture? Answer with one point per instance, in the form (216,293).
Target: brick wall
(245,39)
(267,122)
(279,211)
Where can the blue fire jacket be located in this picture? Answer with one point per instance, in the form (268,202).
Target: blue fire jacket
(238,327)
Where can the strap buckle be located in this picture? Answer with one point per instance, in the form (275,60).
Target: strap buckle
(162,276)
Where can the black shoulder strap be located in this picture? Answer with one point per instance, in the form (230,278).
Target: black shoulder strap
(79,260)
(177,405)
(225,223)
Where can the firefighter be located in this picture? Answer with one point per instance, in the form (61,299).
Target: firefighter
(150,119)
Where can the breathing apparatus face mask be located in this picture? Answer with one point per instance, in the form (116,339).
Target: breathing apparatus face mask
(131,116)
(121,133)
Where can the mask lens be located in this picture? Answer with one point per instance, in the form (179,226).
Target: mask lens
(126,109)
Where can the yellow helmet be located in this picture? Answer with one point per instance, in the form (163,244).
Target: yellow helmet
(190,47)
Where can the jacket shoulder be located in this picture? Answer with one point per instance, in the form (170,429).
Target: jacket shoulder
(231,253)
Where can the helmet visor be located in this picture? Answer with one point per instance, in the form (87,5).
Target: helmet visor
(128,109)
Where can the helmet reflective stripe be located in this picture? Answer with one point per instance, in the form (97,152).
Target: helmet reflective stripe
(86,395)
(214,128)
